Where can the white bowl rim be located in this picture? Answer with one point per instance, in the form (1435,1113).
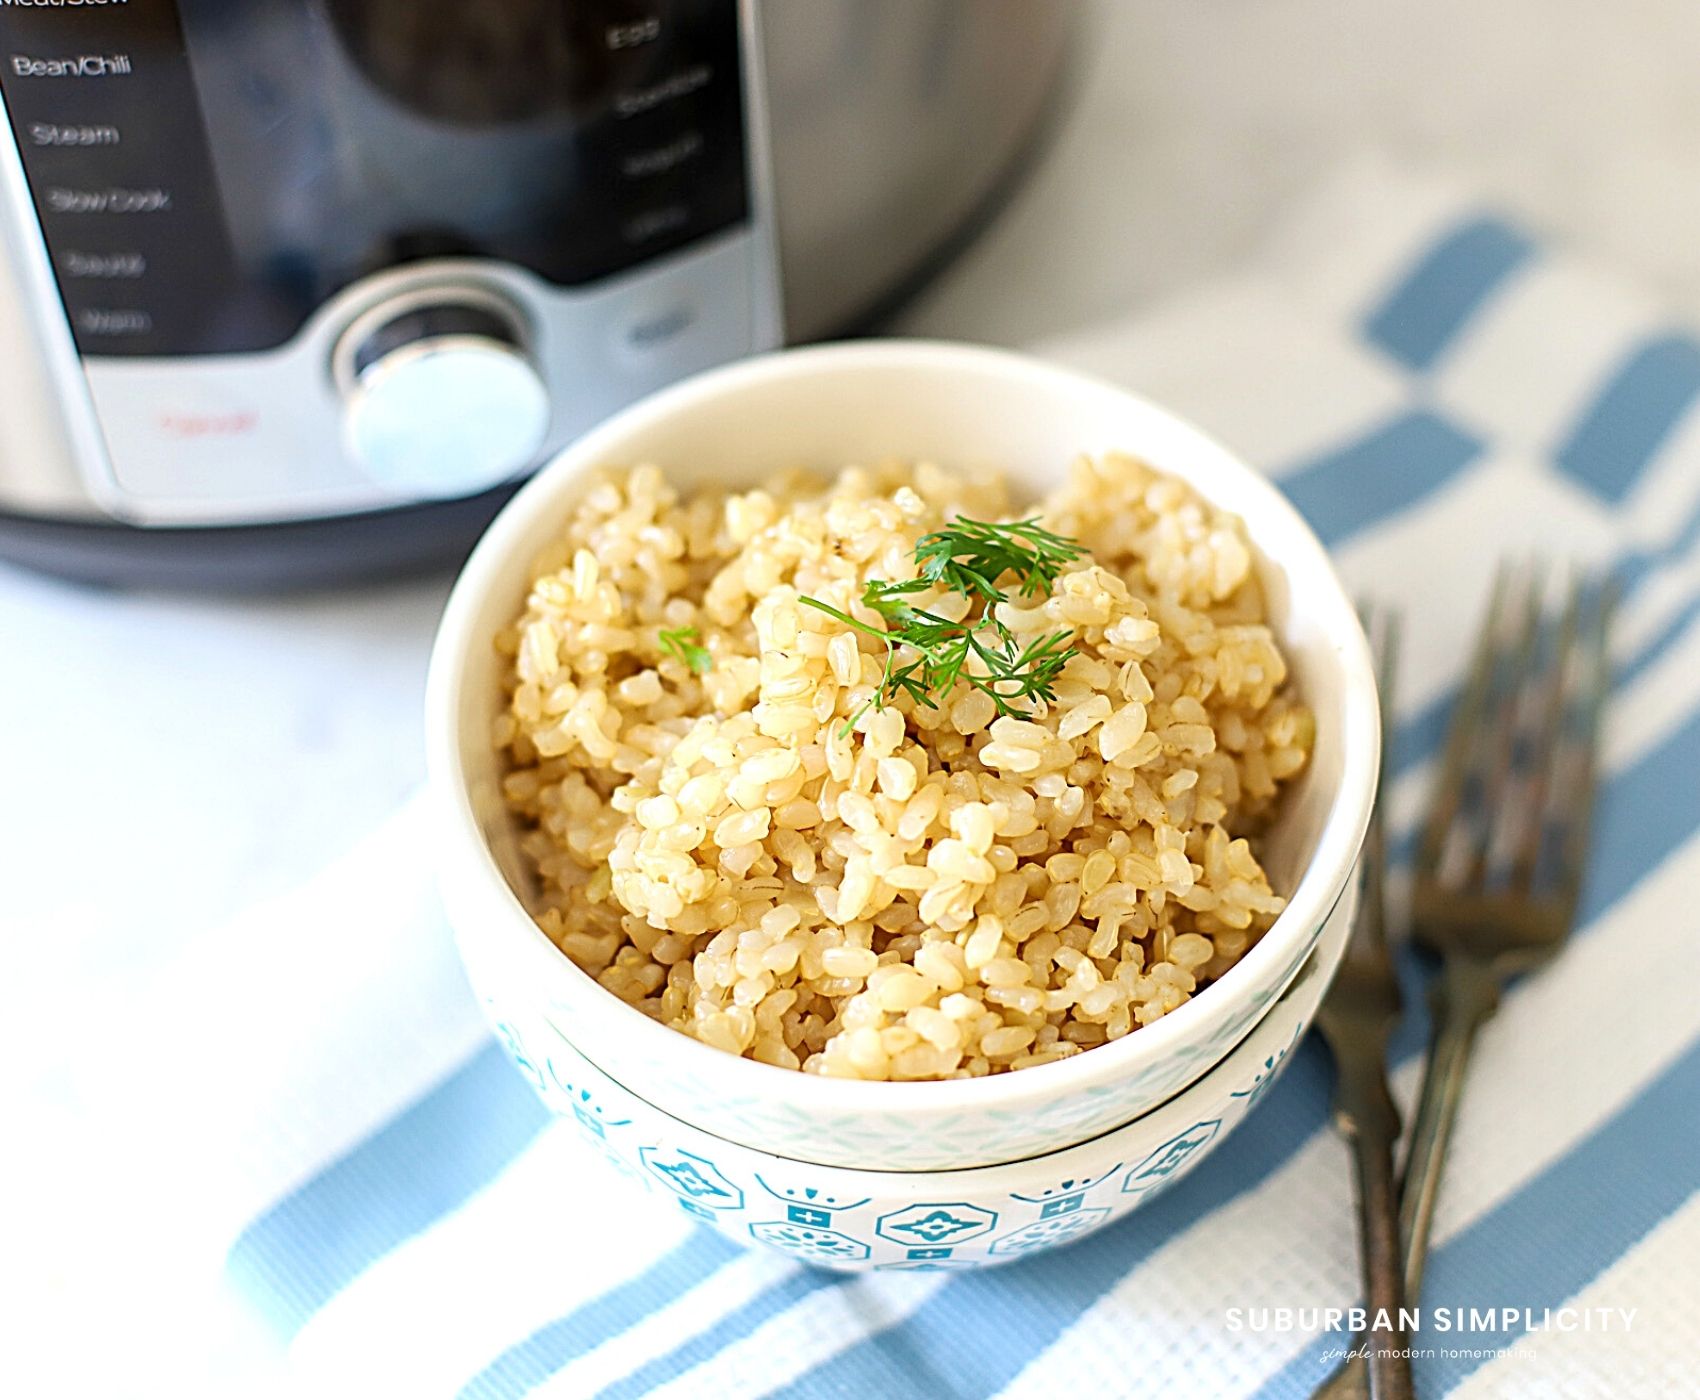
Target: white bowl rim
(549,491)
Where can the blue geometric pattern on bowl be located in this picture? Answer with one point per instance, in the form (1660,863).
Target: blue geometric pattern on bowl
(810,1242)
(1169,1160)
(697,1182)
(808,1205)
(1266,1076)
(924,1227)
(1058,1229)
(1067,1196)
(805,1212)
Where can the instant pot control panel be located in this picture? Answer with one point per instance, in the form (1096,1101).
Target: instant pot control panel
(314,257)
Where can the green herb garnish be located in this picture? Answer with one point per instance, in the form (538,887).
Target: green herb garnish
(681,642)
(968,557)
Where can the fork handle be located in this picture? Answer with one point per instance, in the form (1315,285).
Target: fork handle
(1465,995)
(1383,1265)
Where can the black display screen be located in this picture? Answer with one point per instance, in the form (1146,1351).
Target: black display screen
(208,173)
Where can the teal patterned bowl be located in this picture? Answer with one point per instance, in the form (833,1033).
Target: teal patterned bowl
(848,1219)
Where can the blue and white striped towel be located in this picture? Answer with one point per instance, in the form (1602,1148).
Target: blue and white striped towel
(1434,391)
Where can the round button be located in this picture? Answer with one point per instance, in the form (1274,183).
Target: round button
(444,402)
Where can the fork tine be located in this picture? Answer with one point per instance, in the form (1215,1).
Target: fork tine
(1513,686)
(1461,735)
(1530,833)
(1579,746)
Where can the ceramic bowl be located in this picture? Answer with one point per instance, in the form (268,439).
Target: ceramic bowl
(961,406)
(842,1218)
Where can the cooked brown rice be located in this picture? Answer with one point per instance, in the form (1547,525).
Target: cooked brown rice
(939,893)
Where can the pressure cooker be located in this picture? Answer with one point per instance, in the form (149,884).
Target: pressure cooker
(297,290)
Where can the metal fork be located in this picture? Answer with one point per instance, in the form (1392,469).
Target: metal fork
(1500,864)
(1502,854)
(1356,1019)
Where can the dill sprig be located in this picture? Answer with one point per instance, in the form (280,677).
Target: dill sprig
(927,654)
(681,642)
(970,556)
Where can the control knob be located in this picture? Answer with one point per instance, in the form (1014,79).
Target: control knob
(442,398)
